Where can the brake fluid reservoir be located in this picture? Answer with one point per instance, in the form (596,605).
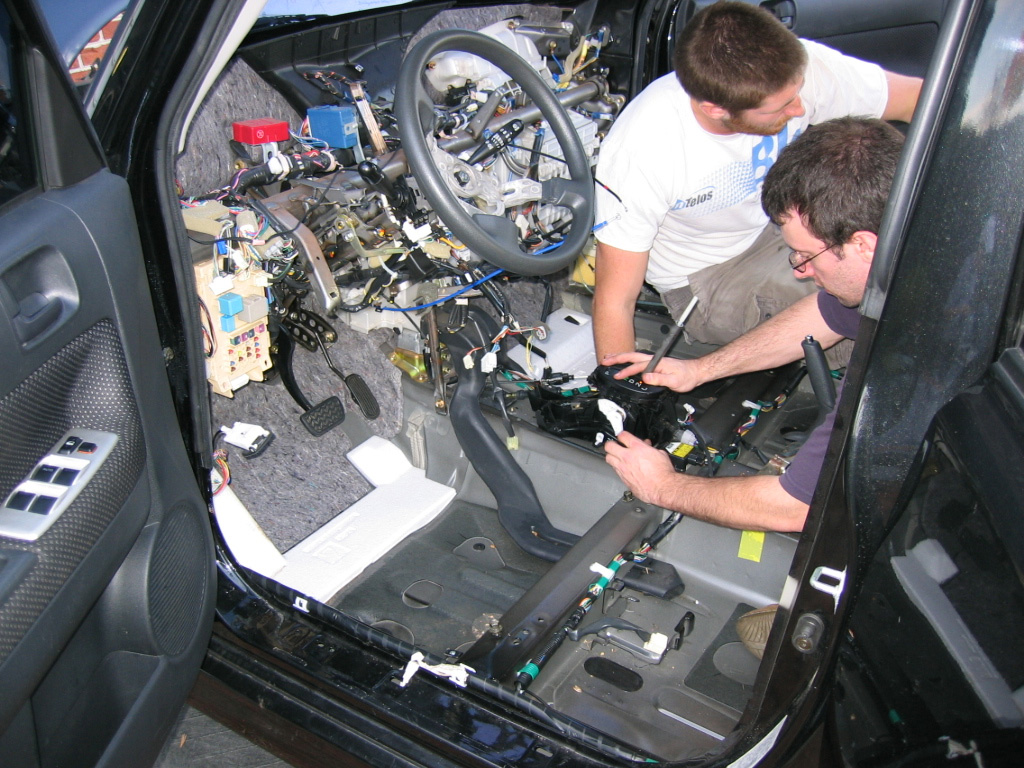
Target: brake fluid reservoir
(452,69)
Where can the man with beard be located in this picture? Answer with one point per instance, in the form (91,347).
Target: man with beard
(827,193)
(681,169)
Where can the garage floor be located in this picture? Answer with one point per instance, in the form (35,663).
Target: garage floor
(199,741)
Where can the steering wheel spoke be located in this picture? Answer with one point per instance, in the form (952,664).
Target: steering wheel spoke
(447,182)
(499,228)
(569,193)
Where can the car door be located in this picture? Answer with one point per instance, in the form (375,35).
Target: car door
(106,555)
(899,35)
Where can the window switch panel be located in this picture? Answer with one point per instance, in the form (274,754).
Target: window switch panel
(53,484)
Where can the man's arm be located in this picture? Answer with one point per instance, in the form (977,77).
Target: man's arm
(773,343)
(753,503)
(619,276)
(903,94)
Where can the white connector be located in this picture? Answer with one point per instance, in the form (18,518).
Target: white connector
(251,438)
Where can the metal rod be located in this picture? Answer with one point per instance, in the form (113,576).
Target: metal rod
(671,338)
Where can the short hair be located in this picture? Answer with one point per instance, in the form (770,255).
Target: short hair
(736,55)
(836,176)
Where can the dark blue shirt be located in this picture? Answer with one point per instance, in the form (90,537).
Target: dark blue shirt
(802,474)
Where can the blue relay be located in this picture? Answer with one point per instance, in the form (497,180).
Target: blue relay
(338,125)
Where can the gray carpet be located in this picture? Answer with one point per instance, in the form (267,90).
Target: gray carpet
(300,482)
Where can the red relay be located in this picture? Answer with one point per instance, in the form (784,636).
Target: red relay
(260,131)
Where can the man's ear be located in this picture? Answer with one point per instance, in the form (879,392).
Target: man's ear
(864,243)
(713,111)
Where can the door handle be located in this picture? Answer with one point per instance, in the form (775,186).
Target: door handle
(36,313)
(783,10)
(38,292)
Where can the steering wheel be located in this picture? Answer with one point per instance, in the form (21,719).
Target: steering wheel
(492,237)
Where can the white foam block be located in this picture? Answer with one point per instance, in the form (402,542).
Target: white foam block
(380,461)
(323,563)
(243,535)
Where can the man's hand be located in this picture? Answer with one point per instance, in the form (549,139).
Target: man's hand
(646,471)
(751,503)
(677,375)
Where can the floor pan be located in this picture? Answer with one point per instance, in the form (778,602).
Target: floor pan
(440,588)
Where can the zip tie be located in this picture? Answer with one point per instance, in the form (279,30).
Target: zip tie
(457,673)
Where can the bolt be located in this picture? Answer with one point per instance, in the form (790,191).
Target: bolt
(809,629)
(462,177)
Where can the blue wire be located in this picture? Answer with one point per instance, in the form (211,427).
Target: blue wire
(552,247)
(462,290)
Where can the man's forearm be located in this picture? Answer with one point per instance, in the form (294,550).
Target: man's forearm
(773,343)
(613,327)
(619,277)
(754,503)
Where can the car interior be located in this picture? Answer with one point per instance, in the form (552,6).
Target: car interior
(409,410)
(392,265)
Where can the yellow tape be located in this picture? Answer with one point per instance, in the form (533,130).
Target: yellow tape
(751,545)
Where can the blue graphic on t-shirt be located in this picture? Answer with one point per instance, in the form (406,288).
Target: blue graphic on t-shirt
(767,152)
(735,182)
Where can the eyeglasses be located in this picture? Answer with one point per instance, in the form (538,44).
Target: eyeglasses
(799,263)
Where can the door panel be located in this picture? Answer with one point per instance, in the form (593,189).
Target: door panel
(104,616)
(899,35)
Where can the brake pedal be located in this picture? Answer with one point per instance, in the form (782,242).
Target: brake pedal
(323,417)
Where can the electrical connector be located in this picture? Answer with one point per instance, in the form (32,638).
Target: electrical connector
(488,362)
(251,438)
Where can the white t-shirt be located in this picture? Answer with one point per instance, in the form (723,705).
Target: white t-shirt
(692,198)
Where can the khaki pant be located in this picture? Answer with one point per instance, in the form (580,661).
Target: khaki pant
(743,292)
(739,293)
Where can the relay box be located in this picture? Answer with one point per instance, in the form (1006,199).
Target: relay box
(233,303)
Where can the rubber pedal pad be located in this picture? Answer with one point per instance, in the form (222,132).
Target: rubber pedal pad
(362,395)
(323,417)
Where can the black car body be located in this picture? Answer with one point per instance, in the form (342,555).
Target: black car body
(898,640)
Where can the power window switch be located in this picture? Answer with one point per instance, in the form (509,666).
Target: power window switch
(20,500)
(45,473)
(66,477)
(42,504)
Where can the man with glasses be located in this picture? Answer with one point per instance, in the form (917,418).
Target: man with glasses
(681,168)
(827,193)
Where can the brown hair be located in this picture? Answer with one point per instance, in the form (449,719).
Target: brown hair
(836,176)
(736,55)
